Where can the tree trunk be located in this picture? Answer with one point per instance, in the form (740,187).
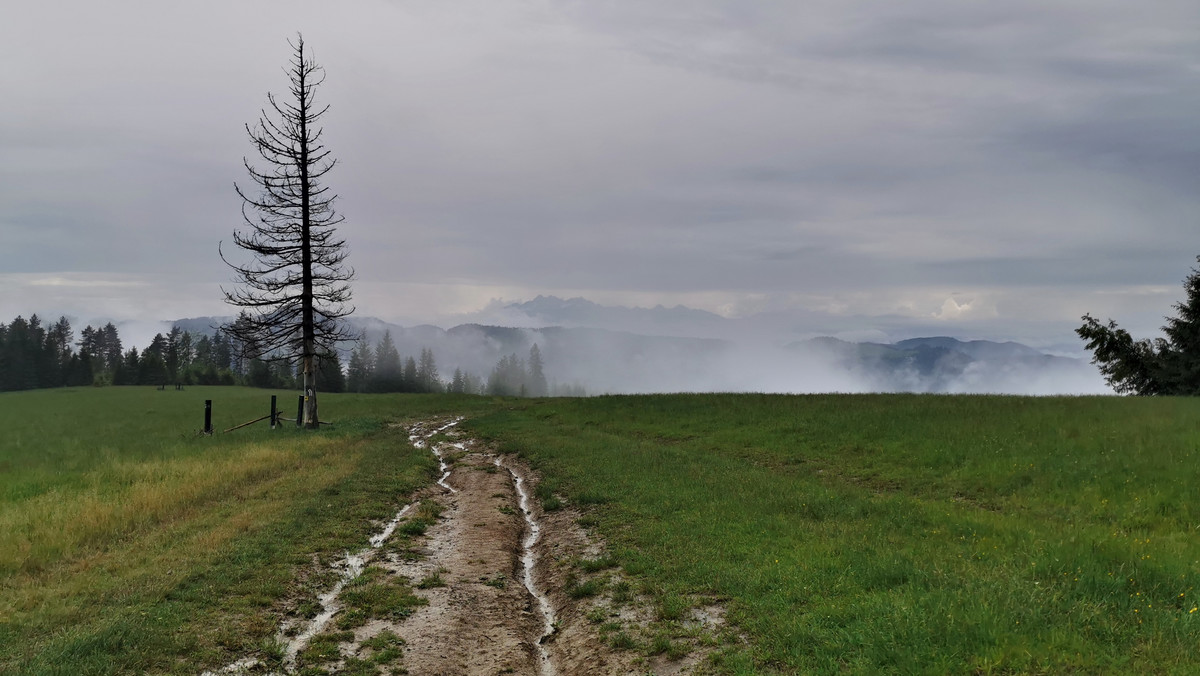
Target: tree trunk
(306,315)
(310,395)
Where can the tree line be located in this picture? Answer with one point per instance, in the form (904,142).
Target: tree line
(382,369)
(36,355)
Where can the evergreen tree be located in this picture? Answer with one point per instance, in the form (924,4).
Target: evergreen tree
(472,384)
(78,372)
(59,339)
(152,369)
(284,375)
(222,352)
(89,340)
(508,379)
(409,382)
(388,373)
(110,347)
(259,374)
(329,373)
(46,371)
(130,369)
(104,345)
(19,357)
(4,357)
(157,347)
(171,353)
(204,351)
(537,377)
(358,372)
(458,384)
(1169,366)
(427,373)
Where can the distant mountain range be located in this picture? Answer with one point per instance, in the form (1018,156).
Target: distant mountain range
(621,361)
(944,364)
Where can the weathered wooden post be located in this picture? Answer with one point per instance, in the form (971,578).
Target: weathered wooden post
(272,411)
(300,412)
(208,416)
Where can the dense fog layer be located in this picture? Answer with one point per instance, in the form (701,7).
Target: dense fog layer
(604,361)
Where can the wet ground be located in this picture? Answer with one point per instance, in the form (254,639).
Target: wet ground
(500,568)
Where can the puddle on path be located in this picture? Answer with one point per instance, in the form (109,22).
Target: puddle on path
(532,535)
(418,441)
(528,563)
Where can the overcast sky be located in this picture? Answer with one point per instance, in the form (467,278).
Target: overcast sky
(978,169)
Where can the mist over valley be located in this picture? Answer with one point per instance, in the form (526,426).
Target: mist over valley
(603,349)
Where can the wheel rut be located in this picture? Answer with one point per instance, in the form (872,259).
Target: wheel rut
(489,576)
(483,620)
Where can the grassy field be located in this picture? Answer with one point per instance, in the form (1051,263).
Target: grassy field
(130,544)
(845,534)
(897,533)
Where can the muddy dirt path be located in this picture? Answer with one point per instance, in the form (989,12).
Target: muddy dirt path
(491,575)
(483,621)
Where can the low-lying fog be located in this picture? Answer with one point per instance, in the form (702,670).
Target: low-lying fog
(615,362)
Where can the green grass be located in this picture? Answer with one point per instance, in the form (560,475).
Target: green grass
(432,580)
(131,544)
(844,534)
(375,595)
(896,533)
(577,589)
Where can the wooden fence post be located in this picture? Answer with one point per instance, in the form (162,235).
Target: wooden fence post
(208,416)
(272,411)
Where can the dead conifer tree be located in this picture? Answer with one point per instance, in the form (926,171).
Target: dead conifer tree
(296,288)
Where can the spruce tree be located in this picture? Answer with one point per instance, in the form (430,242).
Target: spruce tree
(409,378)
(537,376)
(388,373)
(358,372)
(1168,365)
(428,379)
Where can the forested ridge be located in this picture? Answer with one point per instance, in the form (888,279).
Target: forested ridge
(34,355)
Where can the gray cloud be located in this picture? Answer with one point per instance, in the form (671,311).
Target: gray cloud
(850,165)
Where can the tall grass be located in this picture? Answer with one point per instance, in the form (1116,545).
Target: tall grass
(131,544)
(899,533)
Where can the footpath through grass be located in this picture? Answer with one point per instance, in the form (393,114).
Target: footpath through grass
(897,533)
(129,544)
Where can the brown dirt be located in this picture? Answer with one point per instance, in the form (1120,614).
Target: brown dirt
(484,620)
(472,627)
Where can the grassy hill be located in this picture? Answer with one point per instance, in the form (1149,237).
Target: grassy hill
(843,533)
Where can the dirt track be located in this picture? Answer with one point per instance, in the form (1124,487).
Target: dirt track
(481,616)
(485,621)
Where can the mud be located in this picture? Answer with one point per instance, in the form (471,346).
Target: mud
(495,570)
(529,576)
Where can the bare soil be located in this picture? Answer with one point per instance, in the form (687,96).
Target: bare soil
(480,617)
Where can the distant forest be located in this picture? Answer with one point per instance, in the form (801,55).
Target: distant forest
(381,369)
(34,355)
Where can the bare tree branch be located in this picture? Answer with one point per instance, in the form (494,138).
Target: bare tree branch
(296,288)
